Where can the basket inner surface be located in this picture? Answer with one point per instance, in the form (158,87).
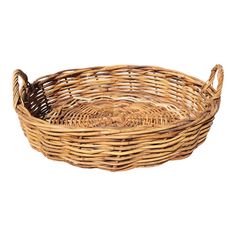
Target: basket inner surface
(115,97)
(122,112)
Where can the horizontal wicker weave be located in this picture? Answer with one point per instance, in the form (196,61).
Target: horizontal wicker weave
(117,117)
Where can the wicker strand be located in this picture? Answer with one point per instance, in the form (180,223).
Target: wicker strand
(220,76)
(16,93)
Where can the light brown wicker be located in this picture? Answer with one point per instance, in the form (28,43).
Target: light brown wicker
(117,117)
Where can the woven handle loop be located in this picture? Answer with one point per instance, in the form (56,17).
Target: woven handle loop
(217,69)
(16,88)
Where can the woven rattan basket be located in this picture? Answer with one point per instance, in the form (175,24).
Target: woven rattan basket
(117,117)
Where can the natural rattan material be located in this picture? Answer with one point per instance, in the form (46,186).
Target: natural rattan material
(117,117)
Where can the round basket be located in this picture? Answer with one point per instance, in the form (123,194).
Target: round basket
(116,117)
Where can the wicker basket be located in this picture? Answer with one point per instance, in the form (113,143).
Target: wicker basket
(117,117)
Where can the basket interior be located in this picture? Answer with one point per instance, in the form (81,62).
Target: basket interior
(126,96)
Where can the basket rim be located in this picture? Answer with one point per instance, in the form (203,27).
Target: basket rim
(177,126)
(60,73)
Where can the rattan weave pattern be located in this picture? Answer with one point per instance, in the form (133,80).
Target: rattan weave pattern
(116,117)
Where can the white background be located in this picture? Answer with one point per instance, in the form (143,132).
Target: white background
(195,196)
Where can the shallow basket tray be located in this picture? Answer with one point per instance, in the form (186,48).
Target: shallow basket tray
(116,117)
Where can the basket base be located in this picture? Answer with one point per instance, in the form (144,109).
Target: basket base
(116,113)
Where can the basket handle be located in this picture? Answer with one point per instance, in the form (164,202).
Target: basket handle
(220,77)
(16,88)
